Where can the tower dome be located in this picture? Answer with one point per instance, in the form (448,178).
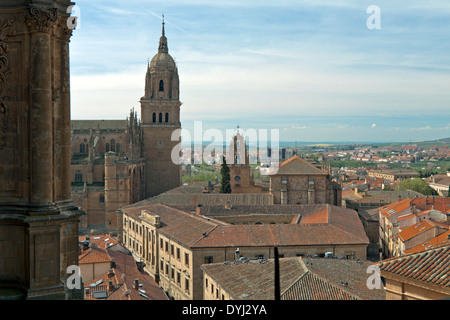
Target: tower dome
(162,61)
(162,81)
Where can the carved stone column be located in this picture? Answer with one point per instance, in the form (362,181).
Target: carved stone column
(40,22)
(38,220)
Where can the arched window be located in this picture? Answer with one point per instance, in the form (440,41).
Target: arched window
(118,148)
(82,148)
(78,176)
(167,117)
(161,85)
(107,147)
(113,145)
(154,116)
(160,117)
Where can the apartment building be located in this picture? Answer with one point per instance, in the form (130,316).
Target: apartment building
(172,244)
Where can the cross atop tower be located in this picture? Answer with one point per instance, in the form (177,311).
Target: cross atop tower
(163,40)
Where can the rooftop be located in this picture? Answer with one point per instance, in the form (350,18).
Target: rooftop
(430,266)
(300,279)
(298,166)
(320,225)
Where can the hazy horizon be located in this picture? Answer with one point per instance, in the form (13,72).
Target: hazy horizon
(312,70)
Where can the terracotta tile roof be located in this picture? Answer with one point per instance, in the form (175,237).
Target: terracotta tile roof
(320,216)
(327,225)
(127,272)
(312,287)
(417,228)
(350,195)
(176,224)
(430,266)
(300,279)
(254,279)
(100,241)
(348,276)
(297,166)
(395,208)
(441,204)
(343,227)
(239,210)
(431,243)
(94,255)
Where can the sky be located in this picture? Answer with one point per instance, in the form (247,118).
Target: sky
(313,70)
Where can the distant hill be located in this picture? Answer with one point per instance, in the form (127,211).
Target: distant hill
(433,142)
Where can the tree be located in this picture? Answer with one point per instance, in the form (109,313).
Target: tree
(225,173)
(417,185)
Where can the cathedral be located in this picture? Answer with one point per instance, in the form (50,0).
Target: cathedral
(119,162)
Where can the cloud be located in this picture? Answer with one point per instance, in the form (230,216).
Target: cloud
(373,125)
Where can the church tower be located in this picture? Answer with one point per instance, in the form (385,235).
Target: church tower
(160,115)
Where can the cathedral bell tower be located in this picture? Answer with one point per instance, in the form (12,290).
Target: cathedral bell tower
(160,114)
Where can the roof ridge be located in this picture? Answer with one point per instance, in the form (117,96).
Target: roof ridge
(203,236)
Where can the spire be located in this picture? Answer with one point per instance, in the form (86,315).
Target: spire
(163,23)
(163,40)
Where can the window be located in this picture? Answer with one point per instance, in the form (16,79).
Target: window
(107,147)
(206,283)
(160,117)
(154,116)
(208,259)
(78,176)
(118,148)
(178,253)
(161,85)
(186,284)
(311,182)
(102,199)
(161,244)
(172,250)
(186,259)
(162,267)
(82,148)
(179,277)
(113,145)
(167,117)
(167,246)
(284,180)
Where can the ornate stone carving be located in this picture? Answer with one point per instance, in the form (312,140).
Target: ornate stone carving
(63,31)
(6,31)
(40,18)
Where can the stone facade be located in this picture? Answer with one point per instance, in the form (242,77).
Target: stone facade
(38,220)
(107,169)
(299,182)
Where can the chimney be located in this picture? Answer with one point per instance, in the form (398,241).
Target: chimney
(399,198)
(111,273)
(110,286)
(413,208)
(136,284)
(197,210)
